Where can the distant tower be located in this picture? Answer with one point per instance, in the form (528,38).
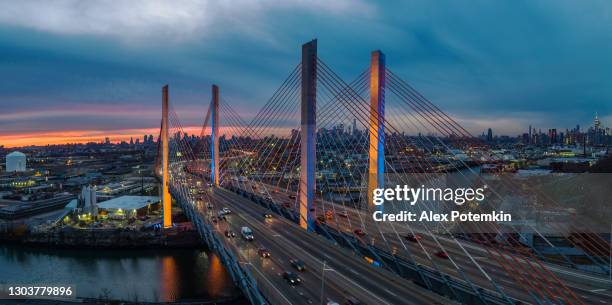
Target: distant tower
(354,126)
(596,121)
(490,135)
(529,141)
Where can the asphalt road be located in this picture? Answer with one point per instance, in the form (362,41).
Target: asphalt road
(481,265)
(345,275)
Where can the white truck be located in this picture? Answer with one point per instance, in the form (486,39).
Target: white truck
(247,234)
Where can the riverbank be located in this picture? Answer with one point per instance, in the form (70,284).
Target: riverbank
(70,237)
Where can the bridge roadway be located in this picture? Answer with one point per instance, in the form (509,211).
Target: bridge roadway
(344,277)
(589,288)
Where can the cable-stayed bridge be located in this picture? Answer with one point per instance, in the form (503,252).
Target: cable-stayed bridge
(301,176)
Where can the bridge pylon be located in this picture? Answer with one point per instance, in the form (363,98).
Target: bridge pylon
(214,160)
(376,169)
(166,200)
(308,154)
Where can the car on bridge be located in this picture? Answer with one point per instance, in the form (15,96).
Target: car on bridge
(353,301)
(359,232)
(226,211)
(442,254)
(291,278)
(230,234)
(267,215)
(247,233)
(413,237)
(298,264)
(343,214)
(263,252)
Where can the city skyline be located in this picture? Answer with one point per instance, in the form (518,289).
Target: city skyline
(63,90)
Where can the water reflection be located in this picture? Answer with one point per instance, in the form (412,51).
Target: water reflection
(133,275)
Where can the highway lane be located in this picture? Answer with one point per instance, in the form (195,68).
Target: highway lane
(309,289)
(264,271)
(513,284)
(509,282)
(356,276)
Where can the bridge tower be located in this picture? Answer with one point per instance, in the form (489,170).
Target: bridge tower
(308,154)
(214,160)
(376,170)
(166,200)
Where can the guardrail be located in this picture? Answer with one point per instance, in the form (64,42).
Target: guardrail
(241,277)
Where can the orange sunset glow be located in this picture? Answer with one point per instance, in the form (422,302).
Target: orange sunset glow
(81,136)
(115,136)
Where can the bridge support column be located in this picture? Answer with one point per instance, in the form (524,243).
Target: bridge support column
(166,200)
(376,171)
(308,137)
(214,160)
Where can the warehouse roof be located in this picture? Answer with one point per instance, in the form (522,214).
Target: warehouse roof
(128,202)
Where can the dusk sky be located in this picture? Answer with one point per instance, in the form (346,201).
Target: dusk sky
(83,70)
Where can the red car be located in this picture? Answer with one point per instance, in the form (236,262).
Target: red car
(413,237)
(442,254)
(359,232)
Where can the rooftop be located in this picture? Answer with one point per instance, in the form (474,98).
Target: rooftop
(128,202)
(16,154)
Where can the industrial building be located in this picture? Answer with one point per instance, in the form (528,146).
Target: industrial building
(16,162)
(128,206)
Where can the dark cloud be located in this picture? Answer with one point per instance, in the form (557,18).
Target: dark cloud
(480,60)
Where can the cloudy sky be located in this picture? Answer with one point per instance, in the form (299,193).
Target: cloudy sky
(82,70)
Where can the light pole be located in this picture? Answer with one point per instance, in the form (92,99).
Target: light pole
(322,281)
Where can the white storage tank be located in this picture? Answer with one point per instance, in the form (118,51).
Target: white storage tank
(16,162)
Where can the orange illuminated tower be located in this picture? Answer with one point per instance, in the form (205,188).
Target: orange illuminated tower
(214,163)
(166,200)
(376,170)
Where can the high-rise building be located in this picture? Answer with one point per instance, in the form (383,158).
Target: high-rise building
(529,142)
(490,135)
